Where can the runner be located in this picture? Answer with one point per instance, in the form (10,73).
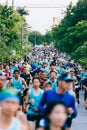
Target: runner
(61,94)
(19,84)
(34,97)
(85,94)
(2,82)
(56,115)
(9,103)
(25,75)
(53,79)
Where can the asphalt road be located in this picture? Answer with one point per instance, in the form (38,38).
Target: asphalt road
(80,123)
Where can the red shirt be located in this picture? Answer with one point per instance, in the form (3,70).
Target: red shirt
(8,74)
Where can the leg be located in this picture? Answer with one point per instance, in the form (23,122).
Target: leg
(31,125)
(67,129)
(31,121)
(77,94)
(85,98)
(69,123)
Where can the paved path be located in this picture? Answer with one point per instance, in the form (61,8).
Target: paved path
(80,123)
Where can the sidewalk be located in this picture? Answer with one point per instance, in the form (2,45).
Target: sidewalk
(80,123)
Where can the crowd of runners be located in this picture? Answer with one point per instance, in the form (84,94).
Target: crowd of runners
(41,91)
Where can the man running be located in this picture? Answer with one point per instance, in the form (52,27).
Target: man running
(2,82)
(61,94)
(17,82)
(9,104)
(85,95)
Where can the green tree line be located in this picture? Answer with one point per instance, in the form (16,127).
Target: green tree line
(70,35)
(36,37)
(13,28)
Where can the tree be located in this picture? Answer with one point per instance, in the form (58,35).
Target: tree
(11,23)
(71,33)
(22,11)
(36,37)
(48,37)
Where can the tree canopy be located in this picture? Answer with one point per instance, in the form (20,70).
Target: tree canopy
(71,34)
(11,24)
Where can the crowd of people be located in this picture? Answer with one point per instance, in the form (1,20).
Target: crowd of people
(41,91)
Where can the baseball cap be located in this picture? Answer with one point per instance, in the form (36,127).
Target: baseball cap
(43,71)
(65,77)
(9,94)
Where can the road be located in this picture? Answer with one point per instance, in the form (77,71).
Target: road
(80,123)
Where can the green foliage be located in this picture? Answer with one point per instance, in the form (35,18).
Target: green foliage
(36,37)
(71,34)
(11,23)
(22,11)
(48,38)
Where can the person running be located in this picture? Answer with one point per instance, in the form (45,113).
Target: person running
(2,82)
(61,94)
(85,94)
(25,75)
(47,86)
(56,115)
(9,104)
(53,79)
(19,84)
(34,97)
(43,76)
(6,72)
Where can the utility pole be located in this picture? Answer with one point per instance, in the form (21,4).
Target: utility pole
(22,35)
(12,3)
(7,2)
(35,39)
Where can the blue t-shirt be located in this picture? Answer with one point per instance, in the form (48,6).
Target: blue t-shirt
(52,95)
(54,83)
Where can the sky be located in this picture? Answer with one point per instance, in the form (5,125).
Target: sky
(41,19)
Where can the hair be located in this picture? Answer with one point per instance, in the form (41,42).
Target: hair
(36,78)
(16,71)
(51,106)
(25,67)
(52,64)
(53,72)
(49,83)
(62,76)
(14,62)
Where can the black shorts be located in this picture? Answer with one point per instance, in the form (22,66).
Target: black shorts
(69,122)
(33,118)
(85,95)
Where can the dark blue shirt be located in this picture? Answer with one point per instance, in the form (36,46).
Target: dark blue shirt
(52,95)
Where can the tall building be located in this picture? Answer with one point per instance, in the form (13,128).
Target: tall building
(54,21)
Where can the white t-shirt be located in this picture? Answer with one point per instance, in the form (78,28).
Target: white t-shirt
(15,125)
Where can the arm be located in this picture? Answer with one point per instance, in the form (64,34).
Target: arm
(84,87)
(42,103)
(24,83)
(10,83)
(73,106)
(24,127)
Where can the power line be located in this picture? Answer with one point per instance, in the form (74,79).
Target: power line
(39,6)
(29,7)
